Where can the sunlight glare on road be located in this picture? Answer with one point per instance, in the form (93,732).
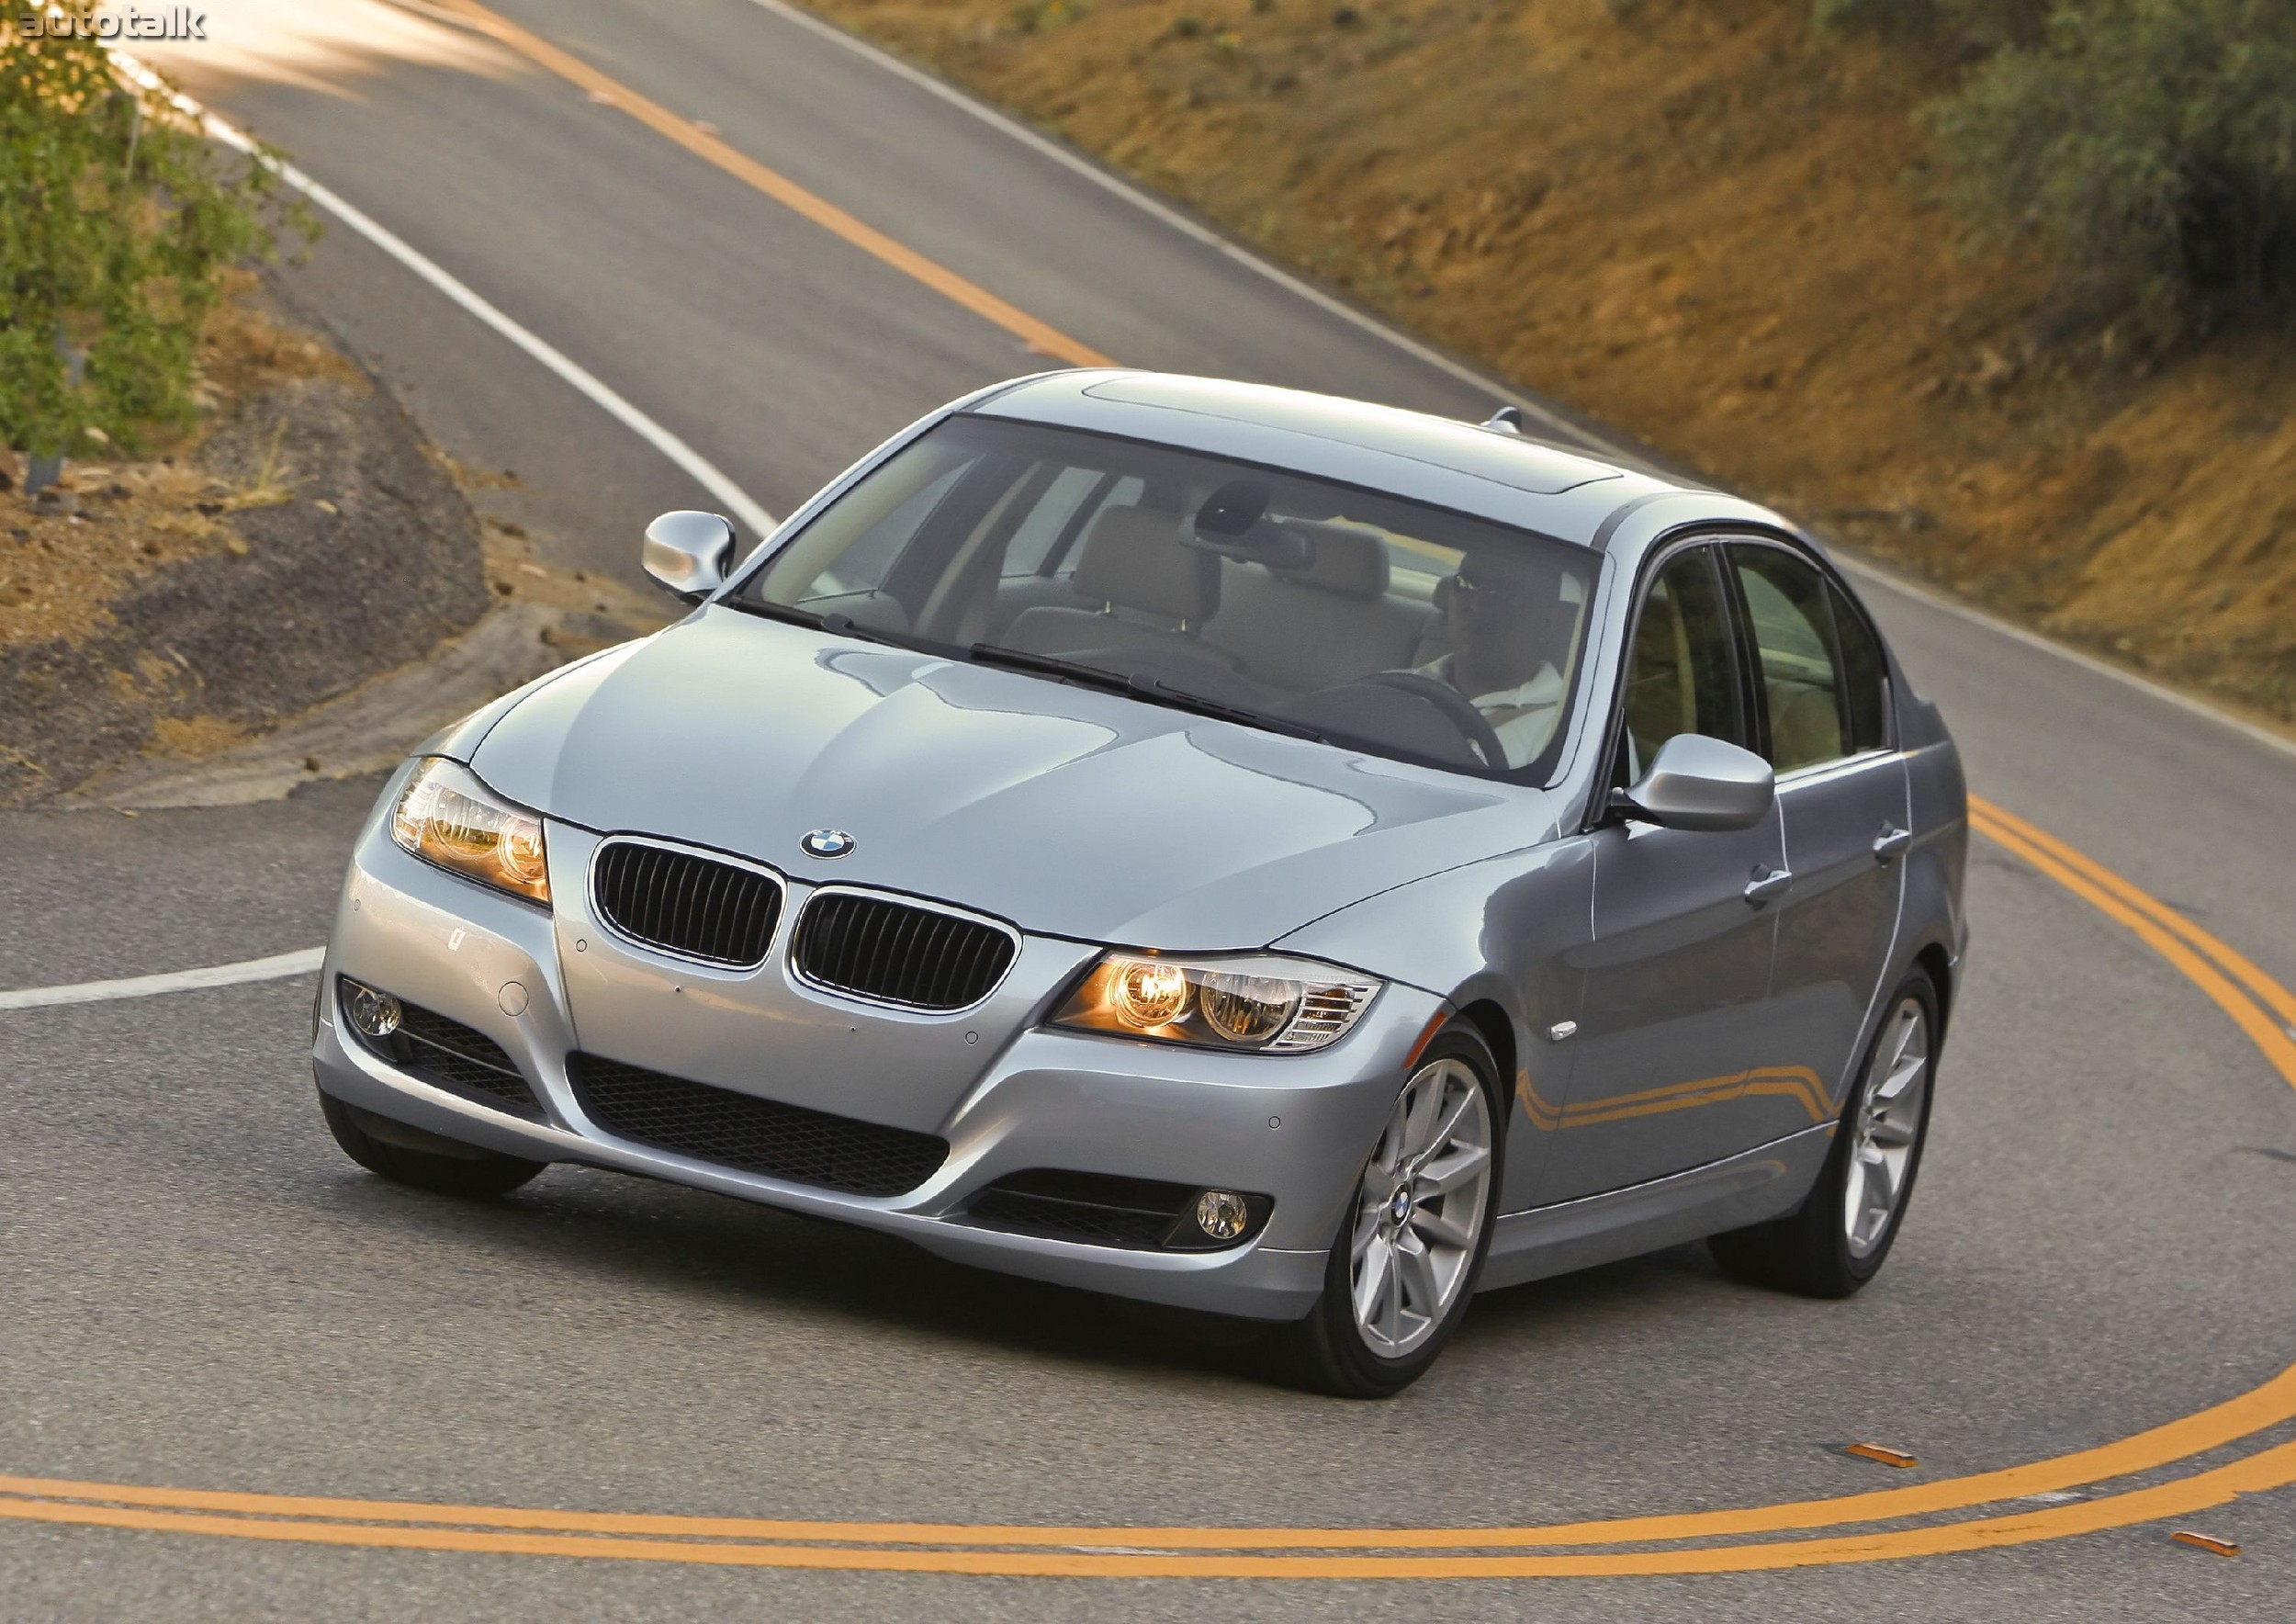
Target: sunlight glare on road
(324,45)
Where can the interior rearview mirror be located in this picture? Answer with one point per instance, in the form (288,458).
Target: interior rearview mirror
(689,552)
(1701,784)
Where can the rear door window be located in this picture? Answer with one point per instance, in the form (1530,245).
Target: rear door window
(1802,678)
(1864,675)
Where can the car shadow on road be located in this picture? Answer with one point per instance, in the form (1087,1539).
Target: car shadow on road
(641,1232)
(591,1221)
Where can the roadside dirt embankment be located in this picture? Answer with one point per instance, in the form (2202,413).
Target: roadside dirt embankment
(297,588)
(1701,222)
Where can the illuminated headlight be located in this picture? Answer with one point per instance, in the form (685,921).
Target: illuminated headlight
(1271,1005)
(446,816)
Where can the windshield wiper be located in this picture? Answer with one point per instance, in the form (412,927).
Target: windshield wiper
(1138,686)
(758,606)
(839,624)
(1158,692)
(844,626)
(1052,665)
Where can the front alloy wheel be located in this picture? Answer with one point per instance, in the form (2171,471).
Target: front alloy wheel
(1412,1239)
(1419,1209)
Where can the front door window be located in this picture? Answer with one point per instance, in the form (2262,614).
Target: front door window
(1682,674)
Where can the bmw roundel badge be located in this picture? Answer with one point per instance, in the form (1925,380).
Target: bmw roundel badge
(827,842)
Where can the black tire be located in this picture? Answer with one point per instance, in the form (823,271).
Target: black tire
(408,1156)
(1326,1352)
(1808,1252)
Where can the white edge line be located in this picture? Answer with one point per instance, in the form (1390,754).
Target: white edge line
(277,967)
(1037,142)
(703,472)
(1893,582)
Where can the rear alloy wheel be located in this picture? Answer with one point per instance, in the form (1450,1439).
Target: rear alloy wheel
(408,1156)
(1404,1262)
(1838,1240)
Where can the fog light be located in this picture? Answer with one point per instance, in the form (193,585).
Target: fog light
(1221,1214)
(376,1014)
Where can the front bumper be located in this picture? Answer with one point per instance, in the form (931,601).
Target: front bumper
(1007,1095)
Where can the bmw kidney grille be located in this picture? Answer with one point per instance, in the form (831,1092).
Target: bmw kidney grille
(895,953)
(685,903)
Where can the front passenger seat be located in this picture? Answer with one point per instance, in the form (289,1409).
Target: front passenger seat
(1154,591)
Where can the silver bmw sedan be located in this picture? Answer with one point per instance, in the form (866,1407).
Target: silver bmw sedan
(1205,843)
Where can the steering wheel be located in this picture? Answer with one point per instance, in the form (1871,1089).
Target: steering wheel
(1473,725)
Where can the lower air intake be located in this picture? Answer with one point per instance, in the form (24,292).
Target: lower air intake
(1103,1210)
(454,1056)
(753,1136)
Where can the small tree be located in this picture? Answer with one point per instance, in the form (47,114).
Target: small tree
(117,220)
(2153,139)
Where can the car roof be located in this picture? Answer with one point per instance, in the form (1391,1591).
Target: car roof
(1490,472)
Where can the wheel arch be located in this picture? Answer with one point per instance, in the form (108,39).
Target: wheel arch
(1497,1030)
(1938,963)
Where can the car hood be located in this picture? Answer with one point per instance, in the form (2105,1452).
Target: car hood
(1067,810)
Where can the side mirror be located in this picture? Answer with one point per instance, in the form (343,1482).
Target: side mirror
(1701,783)
(689,552)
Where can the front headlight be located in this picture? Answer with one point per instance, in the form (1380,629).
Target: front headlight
(446,816)
(1263,1003)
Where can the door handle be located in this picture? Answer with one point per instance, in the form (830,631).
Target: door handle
(1766,884)
(1890,842)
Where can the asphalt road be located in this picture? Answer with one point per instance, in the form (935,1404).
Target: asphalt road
(200,1292)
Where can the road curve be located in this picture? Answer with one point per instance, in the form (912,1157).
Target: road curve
(214,1320)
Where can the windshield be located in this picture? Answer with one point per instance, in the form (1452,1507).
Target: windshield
(1373,622)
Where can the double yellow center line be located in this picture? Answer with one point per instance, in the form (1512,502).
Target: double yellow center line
(1037,1552)
(2262,1008)
(1844,1525)
(1040,336)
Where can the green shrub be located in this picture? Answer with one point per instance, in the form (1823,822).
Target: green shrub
(1983,23)
(2153,139)
(1028,15)
(116,221)
(1884,16)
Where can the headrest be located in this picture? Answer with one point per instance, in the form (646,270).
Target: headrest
(1348,559)
(1134,558)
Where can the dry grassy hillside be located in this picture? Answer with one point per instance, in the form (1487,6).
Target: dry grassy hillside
(1702,222)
